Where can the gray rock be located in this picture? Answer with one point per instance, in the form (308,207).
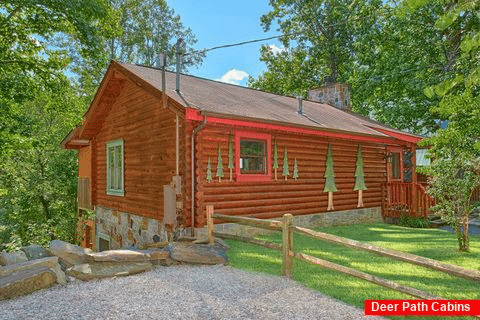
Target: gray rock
(197,253)
(34,251)
(69,253)
(26,281)
(158,256)
(7,258)
(49,262)
(98,270)
(117,256)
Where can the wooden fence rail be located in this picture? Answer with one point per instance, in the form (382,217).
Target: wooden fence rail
(288,254)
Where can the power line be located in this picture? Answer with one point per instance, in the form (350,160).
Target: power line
(241,43)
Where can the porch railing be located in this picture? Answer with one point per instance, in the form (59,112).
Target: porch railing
(405,198)
(84,194)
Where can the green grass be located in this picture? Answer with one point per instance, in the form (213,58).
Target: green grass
(431,243)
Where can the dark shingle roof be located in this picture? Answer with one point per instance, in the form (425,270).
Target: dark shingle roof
(237,101)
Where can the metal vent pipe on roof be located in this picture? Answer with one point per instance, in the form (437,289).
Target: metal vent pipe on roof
(300,105)
(178,56)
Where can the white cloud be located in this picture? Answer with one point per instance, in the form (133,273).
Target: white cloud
(233,76)
(275,49)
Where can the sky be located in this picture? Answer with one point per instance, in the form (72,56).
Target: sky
(221,22)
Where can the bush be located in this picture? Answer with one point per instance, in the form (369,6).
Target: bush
(413,222)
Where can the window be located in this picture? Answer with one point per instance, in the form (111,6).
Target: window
(395,167)
(115,168)
(421,158)
(253,153)
(253,156)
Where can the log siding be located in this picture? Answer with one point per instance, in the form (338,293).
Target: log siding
(273,198)
(148,132)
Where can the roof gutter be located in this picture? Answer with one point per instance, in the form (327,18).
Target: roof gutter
(194,133)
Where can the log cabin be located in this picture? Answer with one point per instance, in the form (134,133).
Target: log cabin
(155,148)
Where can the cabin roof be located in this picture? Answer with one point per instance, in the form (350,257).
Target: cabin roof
(233,101)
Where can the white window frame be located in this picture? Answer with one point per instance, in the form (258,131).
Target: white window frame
(114,190)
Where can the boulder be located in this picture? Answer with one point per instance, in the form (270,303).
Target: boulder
(49,262)
(71,254)
(26,281)
(34,251)
(117,256)
(197,253)
(7,258)
(98,270)
(157,256)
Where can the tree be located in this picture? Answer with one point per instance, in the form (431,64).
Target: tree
(359,177)
(319,41)
(286,170)
(295,169)
(209,171)
(230,156)
(329,178)
(275,159)
(37,178)
(150,27)
(456,149)
(219,173)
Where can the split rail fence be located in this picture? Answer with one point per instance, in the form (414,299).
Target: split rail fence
(288,229)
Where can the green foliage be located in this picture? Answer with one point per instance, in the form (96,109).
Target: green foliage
(150,27)
(413,222)
(329,173)
(455,170)
(38,178)
(286,170)
(220,163)
(359,174)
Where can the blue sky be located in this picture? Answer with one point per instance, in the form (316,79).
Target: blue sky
(215,23)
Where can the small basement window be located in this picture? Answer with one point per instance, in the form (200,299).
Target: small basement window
(253,156)
(115,171)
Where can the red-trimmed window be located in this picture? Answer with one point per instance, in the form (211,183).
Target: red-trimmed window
(253,153)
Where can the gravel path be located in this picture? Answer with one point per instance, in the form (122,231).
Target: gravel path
(182,292)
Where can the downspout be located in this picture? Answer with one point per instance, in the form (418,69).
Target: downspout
(194,133)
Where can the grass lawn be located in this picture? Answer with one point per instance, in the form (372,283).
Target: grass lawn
(431,243)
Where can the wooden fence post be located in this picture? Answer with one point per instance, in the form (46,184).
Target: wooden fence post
(211,239)
(287,246)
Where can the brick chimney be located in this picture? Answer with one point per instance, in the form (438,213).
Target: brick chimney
(336,95)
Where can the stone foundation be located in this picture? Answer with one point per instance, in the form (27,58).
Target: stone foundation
(125,230)
(325,219)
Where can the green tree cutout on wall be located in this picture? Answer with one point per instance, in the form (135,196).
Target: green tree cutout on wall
(286,170)
(230,157)
(359,177)
(275,159)
(295,170)
(329,178)
(219,165)
(209,171)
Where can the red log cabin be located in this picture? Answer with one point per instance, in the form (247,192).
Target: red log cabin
(154,150)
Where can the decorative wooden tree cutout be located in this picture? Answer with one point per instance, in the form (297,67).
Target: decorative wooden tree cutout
(275,159)
(329,178)
(286,170)
(359,177)
(230,157)
(209,171)
(219,165)
(295,170)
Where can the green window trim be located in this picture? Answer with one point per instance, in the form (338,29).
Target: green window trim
(115,168)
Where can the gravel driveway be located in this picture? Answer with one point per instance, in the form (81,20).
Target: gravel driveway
(181,292)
